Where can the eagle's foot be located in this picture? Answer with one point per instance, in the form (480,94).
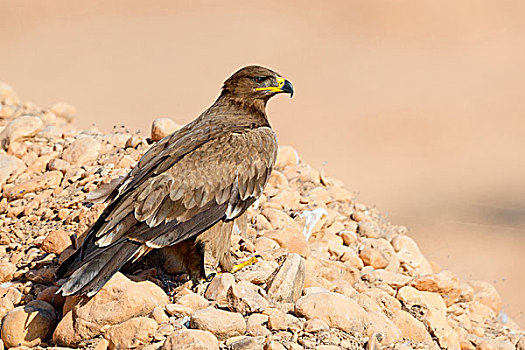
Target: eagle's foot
(252,261)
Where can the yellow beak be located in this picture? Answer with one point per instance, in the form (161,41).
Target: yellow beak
(283,85)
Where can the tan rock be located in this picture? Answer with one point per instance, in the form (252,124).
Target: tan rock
(49,295)
(280,220)
(222,324)
(56,242)
(255,325)
(19,129)
(28,325)
(486,294)
(245,343)
(334,309)
(193,301)
(370,230)
(274,345)
(132,333)
(331,270)
(349,237)
(7,270)
(258,273)
(218,288)
(410,327)
(162,127)
(118,301)
(245,298)
(290,239)
(83,150)
(430,309)
(393,279)
(191,339)
(159,315)
(381,325)
(47,180)
(445,283)
(286,156)
(64,110)
(280,321)
(410,256)
(10,165)
(315,325)
(178,310)
(288,283)
(373,257)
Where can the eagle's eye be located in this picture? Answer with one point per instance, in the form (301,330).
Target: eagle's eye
(259,80)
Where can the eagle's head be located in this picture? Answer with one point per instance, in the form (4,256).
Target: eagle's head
(256,82)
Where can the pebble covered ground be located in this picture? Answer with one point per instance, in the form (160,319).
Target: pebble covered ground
(331,273)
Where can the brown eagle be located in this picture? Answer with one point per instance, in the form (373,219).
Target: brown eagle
(188,188)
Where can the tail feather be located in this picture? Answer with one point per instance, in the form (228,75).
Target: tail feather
(95,271)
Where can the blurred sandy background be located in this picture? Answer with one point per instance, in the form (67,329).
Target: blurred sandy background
(417,105)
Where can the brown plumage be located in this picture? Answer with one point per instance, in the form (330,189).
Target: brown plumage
(188,188)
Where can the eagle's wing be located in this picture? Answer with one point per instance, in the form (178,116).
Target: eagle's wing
(175,192)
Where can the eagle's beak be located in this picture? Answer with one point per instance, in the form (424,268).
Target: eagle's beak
(283,85)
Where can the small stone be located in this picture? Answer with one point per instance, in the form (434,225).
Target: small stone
(486,294)
(245,299)
(7,270)
(274,345)
(315,325)
(58,164)
(159,315)
(102,344)
(162,127)
(19,129)
(445,283)
(286,156)
(193,301)
(288,283)
(430,309)
(50,179)
(281,321)
(255,325)
(218,288)
(10,165)
(50,296)
(56,242)
(191,339)
(370,229)
(28,325)
(222,324)
(64,110)
(292,240)
(84,150)
(334,309)
(410,256)
(373,257)
(132,333)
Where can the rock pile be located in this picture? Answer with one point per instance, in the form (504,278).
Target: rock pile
(331,273)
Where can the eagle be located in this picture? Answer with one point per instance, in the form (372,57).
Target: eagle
(187,189)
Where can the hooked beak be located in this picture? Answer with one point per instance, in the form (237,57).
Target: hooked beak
(283,85)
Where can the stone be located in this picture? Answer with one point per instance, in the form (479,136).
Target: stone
(430,309)
(193,301)
(255,325)
(102,344)
(218,288)
(83,150)
(162,127)
(64,110)
(445,283)
(373,257)
(28,325)
(56,242)
(315,325)
(486,294)
(50,179)
(159,315)
(132,333)
(258,273)
(337,310)
(274,345)
(118,301)
(246,343)
(19,129)
(50,296)
(280,220)
(191,339)
(288,282)
(245,298)
(382,326)
(280,321)
(286,156)
(10,165)
(223,324)
(290,239)
(393,279)
(370,230)
(410,327)
(7,270)
(410,256)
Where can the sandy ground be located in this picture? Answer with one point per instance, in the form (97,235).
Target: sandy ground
(418,105)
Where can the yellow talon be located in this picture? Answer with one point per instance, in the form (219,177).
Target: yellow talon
(252,261)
